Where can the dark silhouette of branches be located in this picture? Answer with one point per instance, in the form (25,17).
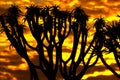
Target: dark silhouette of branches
(14,32)
(109,39)
(79,30)
(50,26)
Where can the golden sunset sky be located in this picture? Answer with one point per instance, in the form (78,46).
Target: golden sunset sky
(94,8)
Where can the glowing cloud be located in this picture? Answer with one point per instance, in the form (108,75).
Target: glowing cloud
(26,0)
(94,8)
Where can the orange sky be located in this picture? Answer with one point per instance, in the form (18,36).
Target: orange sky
(94,8)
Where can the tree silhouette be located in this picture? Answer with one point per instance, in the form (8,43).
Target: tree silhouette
(14,32)
(50,27)
(108,40)
(79,30)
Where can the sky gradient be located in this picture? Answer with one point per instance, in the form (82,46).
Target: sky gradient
(94,8)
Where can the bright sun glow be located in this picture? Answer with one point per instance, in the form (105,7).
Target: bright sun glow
(71,4)
(26,0)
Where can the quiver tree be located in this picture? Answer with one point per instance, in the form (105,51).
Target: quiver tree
(14,32)
(52,32)
(80,34)
(43,32)
(110,43)
(50,26)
